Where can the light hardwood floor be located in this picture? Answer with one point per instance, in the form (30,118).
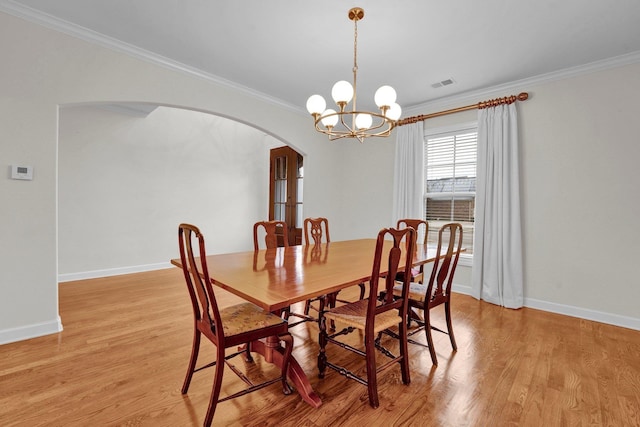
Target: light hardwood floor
(122,356)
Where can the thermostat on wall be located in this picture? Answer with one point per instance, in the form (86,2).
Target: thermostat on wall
(22,172)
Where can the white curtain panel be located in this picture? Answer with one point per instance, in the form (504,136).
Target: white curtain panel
(497,274)
(408,173)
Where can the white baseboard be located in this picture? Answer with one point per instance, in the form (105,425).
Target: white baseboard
(461,289)
(112,272)
(583,313)
(55,326)
(568,310)
(30,331)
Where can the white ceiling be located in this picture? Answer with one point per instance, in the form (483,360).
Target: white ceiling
(287,50)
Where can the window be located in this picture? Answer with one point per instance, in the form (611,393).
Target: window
(450,173)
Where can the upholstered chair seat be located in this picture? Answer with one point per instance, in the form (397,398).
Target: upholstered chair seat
(246,317)
(355,315)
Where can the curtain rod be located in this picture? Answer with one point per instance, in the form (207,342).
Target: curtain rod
(523,96)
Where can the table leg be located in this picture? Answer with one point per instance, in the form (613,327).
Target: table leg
(272,352)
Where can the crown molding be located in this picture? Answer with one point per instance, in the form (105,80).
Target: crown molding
(29,14)
(519,85)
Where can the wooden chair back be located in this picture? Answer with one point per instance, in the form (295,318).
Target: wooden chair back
(203,299)
(317,228)
(399,260)
(275,234)
(420,225)
(444,267)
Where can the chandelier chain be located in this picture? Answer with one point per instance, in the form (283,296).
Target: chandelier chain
(355,62)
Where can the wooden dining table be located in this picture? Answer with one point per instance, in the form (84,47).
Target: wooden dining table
(276,278)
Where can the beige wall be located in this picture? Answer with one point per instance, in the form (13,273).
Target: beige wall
(580,149)
(578,146)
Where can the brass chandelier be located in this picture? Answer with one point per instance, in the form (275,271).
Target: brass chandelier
(353,123)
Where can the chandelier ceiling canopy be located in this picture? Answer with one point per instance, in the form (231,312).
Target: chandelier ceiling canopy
(351,123)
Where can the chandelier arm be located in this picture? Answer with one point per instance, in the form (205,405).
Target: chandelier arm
(378,126)
(334,136)
(316,123)
(383,120)
(344,123)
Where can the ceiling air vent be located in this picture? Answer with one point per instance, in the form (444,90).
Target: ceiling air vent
(446,82)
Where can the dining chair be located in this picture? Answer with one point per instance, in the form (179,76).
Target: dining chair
(316,231)
(275,234)
(422,228)
(438,290)
(373,315)
(227,327)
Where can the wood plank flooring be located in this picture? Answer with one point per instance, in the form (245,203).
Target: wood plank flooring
(122,356)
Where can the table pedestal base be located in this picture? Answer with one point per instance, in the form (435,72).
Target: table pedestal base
(272,352)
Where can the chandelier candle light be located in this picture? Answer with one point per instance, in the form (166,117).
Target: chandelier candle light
(354,123)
